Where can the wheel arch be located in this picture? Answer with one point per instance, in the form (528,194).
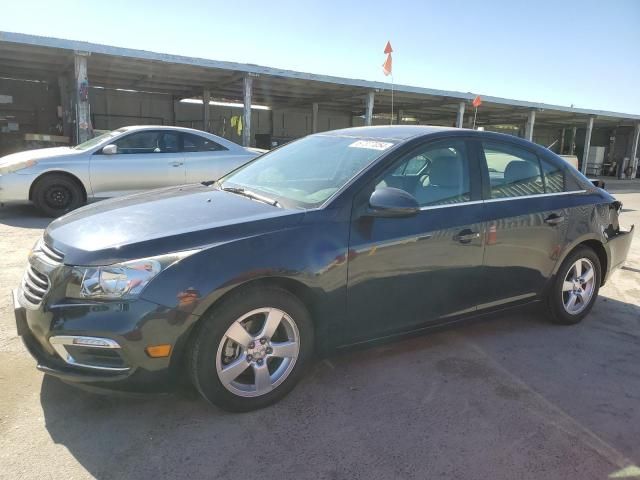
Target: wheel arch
(306,294)
(65,173)
(594,244)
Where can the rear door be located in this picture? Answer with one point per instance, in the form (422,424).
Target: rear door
(206,160)
(144,160)
(526,222)
(405,273)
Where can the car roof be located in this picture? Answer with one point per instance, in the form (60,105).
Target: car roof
(161,127)
(389,132)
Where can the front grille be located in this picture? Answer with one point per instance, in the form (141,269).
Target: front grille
(50,254)
(35,285)
(36,280)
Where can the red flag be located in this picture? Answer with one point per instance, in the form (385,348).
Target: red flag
(387,65)
(477,102)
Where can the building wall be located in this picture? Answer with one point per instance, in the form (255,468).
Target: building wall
(33,107)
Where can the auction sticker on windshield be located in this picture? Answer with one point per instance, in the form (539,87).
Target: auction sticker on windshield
(371,145)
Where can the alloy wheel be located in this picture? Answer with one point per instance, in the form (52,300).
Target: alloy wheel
(578,286)
(258,352)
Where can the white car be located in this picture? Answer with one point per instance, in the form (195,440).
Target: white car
(127,160)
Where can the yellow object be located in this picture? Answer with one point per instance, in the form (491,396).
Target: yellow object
(236,122)
(158,351)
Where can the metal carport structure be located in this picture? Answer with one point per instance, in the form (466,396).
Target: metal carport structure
(73,67)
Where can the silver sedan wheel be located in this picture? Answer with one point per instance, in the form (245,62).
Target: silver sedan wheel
(258,352)
(578,286)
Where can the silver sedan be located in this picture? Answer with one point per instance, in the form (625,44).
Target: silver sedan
(127,160)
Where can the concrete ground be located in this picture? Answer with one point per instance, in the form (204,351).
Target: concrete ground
(511,396)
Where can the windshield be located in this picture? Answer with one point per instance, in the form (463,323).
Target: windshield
(305,173)
(95,141)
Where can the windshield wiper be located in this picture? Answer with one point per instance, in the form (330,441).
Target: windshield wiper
(253,195)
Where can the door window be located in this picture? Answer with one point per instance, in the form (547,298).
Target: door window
(197,143)
(437,174)
(149,141)
(140,142)
(513,172)
(553,177)
(169,142)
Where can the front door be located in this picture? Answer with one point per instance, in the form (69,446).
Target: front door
(526,222)
(405,273)
(144,160)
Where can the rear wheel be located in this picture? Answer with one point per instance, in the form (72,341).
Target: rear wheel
(252,349)
(575,287)
(56,194)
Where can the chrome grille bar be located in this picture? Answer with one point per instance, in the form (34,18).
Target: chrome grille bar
(50,253)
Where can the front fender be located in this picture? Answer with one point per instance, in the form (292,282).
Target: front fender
(312,256)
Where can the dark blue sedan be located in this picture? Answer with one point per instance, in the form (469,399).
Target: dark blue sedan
(336,239)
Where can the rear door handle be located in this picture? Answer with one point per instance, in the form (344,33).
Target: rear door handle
(466,235)
(554,219)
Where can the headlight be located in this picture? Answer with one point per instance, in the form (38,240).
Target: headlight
(14,167)
(121,280)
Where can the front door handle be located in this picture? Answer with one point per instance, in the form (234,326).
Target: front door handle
(176,164)
(466,235)
(554,219)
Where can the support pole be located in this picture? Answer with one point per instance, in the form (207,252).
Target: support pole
(634,150)
(399,117)
(206,111)
(246,120)
(66,106)
(587,146)
(562,134)
(574,134)
(314,118)
(460,115)
(172,119)
(84,131)
(368,116)
(531,121)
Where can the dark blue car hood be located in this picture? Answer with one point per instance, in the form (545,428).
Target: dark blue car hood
(161,221)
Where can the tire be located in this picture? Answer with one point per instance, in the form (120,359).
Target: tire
(56,194)
(561,294)
(243,316)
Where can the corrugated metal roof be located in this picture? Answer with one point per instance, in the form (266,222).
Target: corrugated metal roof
(74,45)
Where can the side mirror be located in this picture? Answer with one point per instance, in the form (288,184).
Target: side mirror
(110,149)
(392,202)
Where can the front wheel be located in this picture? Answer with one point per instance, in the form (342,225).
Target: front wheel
(575,287)
(55,194)
(252,349)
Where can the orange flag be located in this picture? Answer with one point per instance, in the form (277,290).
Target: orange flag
(387,67)
(477,102)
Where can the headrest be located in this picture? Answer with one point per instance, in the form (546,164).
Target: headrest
(446,172)
(518,170)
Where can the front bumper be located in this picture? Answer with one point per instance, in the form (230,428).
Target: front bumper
(14,188)
(121,362)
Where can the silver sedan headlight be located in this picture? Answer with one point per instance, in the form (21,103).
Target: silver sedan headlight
(121,280)
(5,169)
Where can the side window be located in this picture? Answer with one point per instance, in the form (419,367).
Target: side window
(140,142)
(553,177)
(513,172)
(196,143)
(437,174)
(170,142)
